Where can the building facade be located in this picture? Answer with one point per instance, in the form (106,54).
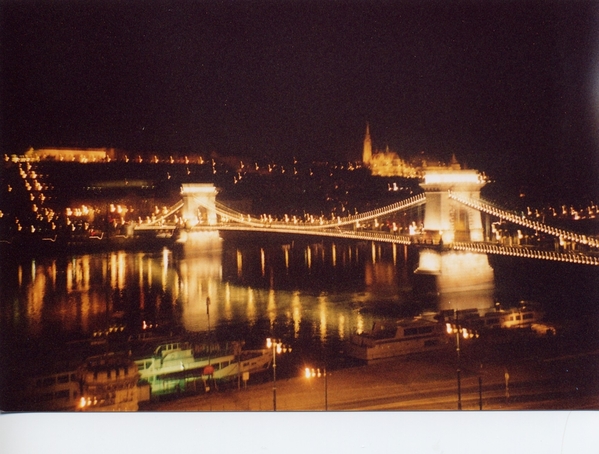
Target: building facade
(385,163)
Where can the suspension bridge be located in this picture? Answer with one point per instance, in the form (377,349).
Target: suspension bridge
(452,208)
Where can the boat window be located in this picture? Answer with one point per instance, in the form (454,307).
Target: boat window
(425,330)
(64,394)
(95,375)
(410,331)
(224,364)
(63,379)
(216,366)
(45,397)
(140,366)
(148,364)
(518,317)
(108,373)
(49,381)
(73,377)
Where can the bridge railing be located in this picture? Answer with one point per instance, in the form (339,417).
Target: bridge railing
(169,212)
(336,233)
(482,205)
(519,251)
(317,224)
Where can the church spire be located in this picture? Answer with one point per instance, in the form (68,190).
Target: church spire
(454,163)
(367,151)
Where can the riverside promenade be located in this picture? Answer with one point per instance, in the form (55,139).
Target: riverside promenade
(521,382)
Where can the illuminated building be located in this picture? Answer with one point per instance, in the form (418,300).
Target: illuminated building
(385,163)
(71,154)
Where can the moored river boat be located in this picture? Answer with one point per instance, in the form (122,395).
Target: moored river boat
(178,366)
(404,337)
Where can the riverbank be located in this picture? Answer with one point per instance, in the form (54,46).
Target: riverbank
(524,382)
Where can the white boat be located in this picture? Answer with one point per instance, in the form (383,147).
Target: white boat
(51,392)
(526,315)
(109,382)
(523,316)
(178,366)
(405,337)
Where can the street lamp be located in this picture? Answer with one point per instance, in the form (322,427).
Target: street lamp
(458,330)
(311,373)
(277,348)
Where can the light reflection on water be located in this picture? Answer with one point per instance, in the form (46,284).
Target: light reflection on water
(320,291)
(324,283)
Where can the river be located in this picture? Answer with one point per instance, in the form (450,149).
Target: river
(311,294)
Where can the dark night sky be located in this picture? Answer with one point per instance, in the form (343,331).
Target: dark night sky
(510,87)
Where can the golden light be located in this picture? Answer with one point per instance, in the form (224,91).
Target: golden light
(452,177)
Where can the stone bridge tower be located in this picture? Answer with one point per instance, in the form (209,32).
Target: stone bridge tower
(199,204)
(444,218)
(464,280)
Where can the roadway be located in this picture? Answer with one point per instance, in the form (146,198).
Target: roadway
(534,382)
